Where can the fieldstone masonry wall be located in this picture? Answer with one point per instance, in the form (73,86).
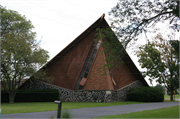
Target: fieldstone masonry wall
(86,95)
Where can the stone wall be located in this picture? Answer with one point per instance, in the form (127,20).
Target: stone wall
(84,95)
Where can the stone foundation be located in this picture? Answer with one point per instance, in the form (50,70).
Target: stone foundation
(84,95)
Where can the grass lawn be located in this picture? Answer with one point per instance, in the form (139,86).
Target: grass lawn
(168,96)
(7,108)
(169,112)
(165,100)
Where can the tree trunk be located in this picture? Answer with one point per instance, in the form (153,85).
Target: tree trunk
(11,97)
(171,96)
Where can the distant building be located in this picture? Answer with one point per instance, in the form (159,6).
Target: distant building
(77,75)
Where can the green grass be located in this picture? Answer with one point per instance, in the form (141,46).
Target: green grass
(169,112)
(170,101)
(168,97)
(50,106)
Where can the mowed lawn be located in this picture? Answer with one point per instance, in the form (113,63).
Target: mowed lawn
(26,107)
(169,112)
(168,96)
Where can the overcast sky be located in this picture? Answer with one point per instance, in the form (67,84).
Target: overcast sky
(59,22)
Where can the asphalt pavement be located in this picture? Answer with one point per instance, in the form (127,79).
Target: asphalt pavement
(94,111)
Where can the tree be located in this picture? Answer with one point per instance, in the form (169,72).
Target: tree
(112,49)
(21,55)
(132,17)
(161,61)
(160,87)
(129,19)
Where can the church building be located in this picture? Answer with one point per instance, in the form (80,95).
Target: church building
(77,74)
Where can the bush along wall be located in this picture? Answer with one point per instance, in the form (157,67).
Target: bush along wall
(40,95)
(145,94)
(4,96)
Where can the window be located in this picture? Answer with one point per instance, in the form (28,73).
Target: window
(87,59)
(82,73)
(77,86)
(94,53)
(91,61)
(88,68)
(87,65)
(85,75)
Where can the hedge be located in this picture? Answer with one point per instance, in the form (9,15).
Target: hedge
(42,95)
(145,94)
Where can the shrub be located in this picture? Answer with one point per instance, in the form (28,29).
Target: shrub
(145,94)
(41,95)
(4,96)
(161,87)
(66,114)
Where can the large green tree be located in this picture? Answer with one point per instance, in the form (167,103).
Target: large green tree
(161,62)
(132,17)
(21,55)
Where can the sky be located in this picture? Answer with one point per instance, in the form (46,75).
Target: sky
(59,22)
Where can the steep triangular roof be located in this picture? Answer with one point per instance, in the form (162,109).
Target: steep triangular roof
(95,25)
(101,22)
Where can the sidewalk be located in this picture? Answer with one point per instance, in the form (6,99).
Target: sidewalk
(94,111)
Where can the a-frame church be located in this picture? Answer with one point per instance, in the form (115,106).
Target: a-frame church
(77,75)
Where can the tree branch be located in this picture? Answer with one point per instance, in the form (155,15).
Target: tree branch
(4,72)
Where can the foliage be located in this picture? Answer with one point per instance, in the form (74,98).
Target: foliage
(112,49)
(160,87)
(161,61)
(145,94)
(130,18)
(66,114)
(169,92)
(21,55)
(41,95)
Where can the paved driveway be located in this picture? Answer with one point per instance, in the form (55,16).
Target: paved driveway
(94,111)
